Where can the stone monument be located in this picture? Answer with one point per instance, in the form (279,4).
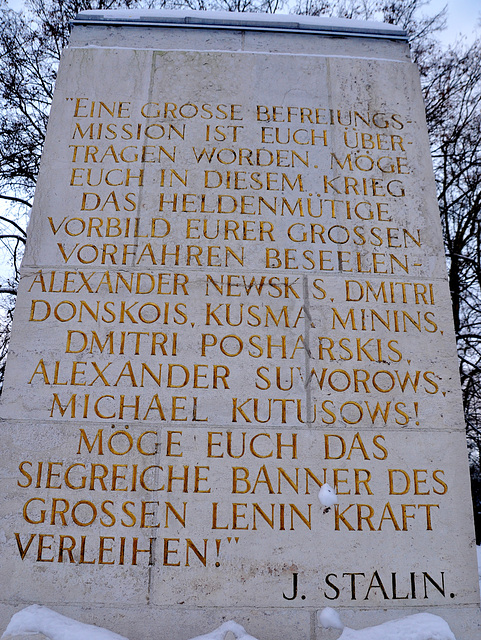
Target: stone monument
(234,294)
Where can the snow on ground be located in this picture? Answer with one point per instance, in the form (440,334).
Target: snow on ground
(37,619)
(221,632)
(328,618)
(421,626)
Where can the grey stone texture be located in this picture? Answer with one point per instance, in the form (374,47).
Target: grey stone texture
(234,291)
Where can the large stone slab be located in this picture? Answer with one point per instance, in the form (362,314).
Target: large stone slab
(234,292)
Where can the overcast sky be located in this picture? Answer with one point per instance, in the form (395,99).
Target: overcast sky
(463,17)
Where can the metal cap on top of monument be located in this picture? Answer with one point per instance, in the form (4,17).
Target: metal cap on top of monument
(234,294)
(244,21)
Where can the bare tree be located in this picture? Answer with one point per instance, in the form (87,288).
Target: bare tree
(453,100)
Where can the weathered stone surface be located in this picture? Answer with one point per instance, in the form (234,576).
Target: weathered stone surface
(233,292)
